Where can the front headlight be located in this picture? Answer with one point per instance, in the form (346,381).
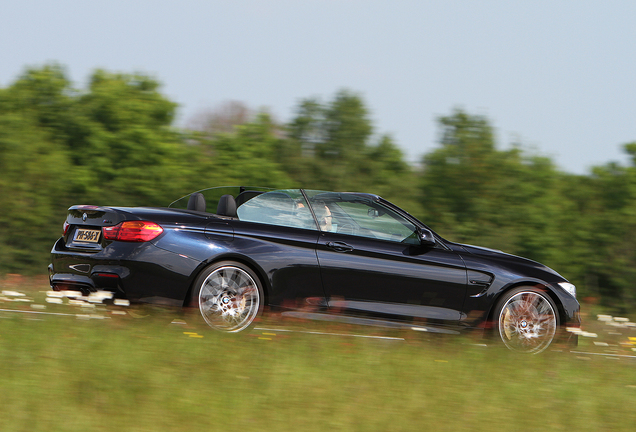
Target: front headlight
(570,288)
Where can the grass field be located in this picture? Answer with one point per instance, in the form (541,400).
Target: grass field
(78,372)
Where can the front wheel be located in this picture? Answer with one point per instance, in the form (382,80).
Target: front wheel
(526,320)
(228,295)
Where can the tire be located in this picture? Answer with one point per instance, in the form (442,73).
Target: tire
(526,320)
(228,296)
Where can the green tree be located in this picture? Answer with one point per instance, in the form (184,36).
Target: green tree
(473,192)
(583,226)
(331,148)
(33,165)
(126,142)
(602,245)
(113,144)
(246,156)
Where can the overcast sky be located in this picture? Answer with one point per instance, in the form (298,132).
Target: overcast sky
(557,76)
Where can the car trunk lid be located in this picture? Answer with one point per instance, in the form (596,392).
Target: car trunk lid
(84,225)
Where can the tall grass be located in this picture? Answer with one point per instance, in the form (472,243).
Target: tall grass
(61,373)
(64,374)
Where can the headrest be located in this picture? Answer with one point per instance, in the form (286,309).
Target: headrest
(196,202)
(227,206)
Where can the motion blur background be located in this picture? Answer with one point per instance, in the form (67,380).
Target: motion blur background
(504,124)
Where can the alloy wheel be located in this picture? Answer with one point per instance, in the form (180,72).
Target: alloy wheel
(229,299)
(527,322)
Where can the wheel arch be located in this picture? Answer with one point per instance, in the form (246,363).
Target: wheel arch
(533,284)
(242,259)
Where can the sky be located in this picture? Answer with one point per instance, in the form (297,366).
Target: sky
(557,77)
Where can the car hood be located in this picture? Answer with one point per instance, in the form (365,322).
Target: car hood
(513,262)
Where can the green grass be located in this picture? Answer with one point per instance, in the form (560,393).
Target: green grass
(60,373)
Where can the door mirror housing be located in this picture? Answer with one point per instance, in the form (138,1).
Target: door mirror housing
(426,237)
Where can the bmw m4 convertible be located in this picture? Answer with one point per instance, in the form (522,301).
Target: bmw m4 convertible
(352,257)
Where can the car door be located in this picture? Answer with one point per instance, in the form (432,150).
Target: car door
(276,231)
(371,260)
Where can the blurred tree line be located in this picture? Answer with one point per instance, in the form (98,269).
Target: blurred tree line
(115,144)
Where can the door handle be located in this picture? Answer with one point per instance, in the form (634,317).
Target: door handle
(339,246)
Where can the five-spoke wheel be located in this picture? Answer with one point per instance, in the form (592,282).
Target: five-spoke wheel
(526,320)
(228,295)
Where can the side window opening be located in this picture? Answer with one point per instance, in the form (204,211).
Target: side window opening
(373,220)
(362,216)
(282,208)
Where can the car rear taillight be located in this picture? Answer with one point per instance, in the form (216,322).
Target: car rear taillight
(65,227)
(133,231)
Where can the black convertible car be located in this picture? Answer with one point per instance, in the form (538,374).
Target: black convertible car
(353,257)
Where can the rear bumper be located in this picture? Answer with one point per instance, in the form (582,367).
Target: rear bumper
(139,272)
(86,284)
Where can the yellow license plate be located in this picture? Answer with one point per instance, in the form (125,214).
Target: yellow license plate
(86,235)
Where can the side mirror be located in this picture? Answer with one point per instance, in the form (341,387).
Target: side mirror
(426,237)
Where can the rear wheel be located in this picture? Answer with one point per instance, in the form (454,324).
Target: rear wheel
(228,296)
(526,320)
